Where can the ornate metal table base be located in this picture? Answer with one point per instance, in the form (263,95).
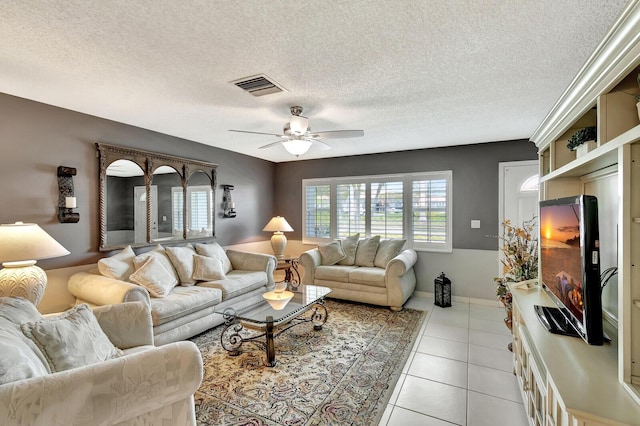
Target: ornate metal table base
(232,339)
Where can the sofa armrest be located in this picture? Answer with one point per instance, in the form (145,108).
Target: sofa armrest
(109,392)
(403,262)
(310,260)
(248,261)
(400,278)
(100,290)
(127,325)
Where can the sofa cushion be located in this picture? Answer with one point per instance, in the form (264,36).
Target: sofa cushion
(207,268)
(153,276)
(366,252)
(334,273)
(18,360)
(216,251)
(349,246)
(368,275)
(331,253)
(119,266)
(71,339)
(237,282)
(161,254)
(387,250)
(182,260)
(183,301)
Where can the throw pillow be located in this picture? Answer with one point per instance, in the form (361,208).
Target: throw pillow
(331,253)
(366,252)
(119,266)
(216,251)
(71,339)
(349,246)
(387,250)
(153,276)
(207,268)
(182,260)
(160,253)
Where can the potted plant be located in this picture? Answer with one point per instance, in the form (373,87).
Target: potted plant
(519,260)
(583,140)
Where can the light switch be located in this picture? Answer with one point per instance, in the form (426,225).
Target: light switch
(475,224)
(164,218)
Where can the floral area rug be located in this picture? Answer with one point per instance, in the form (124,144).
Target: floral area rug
(343,374)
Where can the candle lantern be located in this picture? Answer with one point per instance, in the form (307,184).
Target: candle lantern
(442,290)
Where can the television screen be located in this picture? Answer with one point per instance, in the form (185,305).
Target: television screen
(561,256)
(570,267)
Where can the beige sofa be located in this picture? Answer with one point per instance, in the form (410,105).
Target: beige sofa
(380,274)
(186,310)
(143,385)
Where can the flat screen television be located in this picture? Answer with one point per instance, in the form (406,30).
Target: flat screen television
(570,267)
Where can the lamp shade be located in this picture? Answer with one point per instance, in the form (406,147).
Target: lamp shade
(297,146)
(27,241)
(278,224)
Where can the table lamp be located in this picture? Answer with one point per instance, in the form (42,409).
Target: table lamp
(21,244)
(278,225)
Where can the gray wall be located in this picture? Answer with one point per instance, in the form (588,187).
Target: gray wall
(475,182)
(36,138)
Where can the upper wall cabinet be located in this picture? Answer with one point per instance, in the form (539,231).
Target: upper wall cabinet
(148,198)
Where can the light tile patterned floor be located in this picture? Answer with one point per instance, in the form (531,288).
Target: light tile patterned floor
(460,372)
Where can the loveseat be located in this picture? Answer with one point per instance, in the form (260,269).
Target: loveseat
(183,286)
(370,270)
(99,367)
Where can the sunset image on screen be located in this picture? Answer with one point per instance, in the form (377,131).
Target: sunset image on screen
(560,254)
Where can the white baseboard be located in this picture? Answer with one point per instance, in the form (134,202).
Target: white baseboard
(460,299)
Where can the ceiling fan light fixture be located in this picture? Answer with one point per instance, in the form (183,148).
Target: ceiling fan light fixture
(298,125)
(297,147)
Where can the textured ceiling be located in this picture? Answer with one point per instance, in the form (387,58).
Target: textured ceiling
(411,74)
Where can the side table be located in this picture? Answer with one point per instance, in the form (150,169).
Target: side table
(290,267)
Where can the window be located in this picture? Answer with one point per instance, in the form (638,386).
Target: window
(199,208)
(416,207)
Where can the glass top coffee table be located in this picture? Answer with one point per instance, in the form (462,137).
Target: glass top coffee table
(262,320)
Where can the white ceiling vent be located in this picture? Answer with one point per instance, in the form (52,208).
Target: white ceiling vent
(258,85)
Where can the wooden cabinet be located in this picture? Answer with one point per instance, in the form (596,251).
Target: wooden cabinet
(602,95)
(564,381)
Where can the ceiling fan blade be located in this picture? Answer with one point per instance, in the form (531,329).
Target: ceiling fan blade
(256,133)
(269,145)
(322,146)
(337,134)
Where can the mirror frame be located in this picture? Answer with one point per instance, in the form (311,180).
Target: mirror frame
(148,162)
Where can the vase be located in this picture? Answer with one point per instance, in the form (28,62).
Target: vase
(584,149)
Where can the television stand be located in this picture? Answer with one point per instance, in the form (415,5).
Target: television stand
(553,320)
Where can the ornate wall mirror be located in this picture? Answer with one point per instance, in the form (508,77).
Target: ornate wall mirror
(148,198)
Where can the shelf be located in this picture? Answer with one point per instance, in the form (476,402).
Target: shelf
(604,156)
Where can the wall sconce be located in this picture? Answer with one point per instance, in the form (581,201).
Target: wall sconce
(228,206)
(66,199)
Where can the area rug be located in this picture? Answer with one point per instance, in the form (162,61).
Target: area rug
(343,374)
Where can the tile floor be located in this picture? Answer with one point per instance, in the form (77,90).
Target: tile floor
(460,371)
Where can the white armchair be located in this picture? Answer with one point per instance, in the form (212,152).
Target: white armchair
(147,385)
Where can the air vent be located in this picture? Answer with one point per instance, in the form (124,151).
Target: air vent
(258,85)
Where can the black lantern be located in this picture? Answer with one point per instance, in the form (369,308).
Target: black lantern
(442,289)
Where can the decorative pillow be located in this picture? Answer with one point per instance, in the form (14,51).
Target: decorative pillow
(21,358)
(349,247)
(153,276)
(331,253)
(182,260)
(216,251)
(119,266)
(159,253)
(366,253)
(387,250)
(207,268)
(71,339)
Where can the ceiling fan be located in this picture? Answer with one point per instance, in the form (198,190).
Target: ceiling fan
(297,137)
